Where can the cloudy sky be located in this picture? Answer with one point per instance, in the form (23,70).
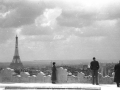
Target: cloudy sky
(60,29)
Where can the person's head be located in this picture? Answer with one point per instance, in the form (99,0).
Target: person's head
(93,58)
(119,61)
(53,63)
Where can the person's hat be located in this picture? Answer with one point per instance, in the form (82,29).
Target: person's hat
(53,63)
(94,58)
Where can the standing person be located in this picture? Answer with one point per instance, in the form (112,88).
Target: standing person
(53,73)
(117,73)
(94,66)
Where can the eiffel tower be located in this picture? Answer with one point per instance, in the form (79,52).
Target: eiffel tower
(16,62)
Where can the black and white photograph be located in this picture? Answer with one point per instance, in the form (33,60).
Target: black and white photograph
(59,44)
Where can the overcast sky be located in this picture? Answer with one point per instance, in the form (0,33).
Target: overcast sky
(60,29)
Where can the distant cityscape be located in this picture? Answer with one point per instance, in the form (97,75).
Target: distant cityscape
(105,69)
(35,67)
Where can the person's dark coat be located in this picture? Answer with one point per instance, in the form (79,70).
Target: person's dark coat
(117,73)
(53,74)
(94,65)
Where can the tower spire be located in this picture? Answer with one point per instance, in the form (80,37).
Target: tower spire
(16,47)
(16,62)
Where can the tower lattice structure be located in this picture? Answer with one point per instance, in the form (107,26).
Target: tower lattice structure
(16,62)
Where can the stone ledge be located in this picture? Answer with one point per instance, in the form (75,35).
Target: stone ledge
(50,86)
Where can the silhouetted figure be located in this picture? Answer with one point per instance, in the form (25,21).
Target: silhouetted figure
(117,74)
(94,66)
(53,73)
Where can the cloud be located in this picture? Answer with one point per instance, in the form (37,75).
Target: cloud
(60,29)
(36,30)
(20,13)
(113,10)
(76,19)
(6,34)
(44,26)
(76,13)
(87,13)
(48,18)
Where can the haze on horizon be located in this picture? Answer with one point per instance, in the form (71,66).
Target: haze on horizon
(60,29)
